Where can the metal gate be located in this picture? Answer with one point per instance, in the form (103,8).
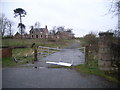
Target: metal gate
(64,57)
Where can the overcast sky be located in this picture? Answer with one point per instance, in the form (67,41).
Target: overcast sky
(83,16)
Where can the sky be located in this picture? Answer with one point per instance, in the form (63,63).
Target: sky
(83,16)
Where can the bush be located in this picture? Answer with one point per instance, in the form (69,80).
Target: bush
(92,41)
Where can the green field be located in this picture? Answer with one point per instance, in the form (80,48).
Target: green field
(39,42)
(25,55)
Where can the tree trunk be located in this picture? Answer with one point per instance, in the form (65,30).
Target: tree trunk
(21,26)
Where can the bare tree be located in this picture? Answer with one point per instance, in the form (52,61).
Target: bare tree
(53,30)
(10,24)
(115,7)
(69,30)
(37,25)
(61,28)
(115,10)
(3,25)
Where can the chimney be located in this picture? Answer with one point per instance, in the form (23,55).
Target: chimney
(45,26)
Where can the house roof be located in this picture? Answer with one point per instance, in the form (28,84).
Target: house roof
(17,33)
(38,29)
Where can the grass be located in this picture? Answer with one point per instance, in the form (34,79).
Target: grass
(93,69)
(8,62)
(24,55)
(39,42)
(20,52)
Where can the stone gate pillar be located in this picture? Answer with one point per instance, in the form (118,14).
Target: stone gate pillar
(105,53)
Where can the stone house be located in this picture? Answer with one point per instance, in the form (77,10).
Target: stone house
(39,32)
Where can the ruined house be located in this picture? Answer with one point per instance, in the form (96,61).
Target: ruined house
(39,32)
(26,35)
(35,33)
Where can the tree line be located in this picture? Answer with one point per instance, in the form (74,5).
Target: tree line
(5,26)
(58,29)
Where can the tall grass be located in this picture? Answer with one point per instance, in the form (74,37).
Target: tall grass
(39,42)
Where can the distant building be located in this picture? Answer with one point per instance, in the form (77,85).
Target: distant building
(26,35)
(17,35)
(39,32)
(62,35)
(44,33)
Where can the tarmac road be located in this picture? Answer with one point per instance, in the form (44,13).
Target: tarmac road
(51,78)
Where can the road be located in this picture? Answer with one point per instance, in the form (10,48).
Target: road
(51,78)
(26,76)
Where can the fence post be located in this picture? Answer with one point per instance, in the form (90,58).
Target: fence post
(34,47)
(35,54)
(86,54)
(48,51)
